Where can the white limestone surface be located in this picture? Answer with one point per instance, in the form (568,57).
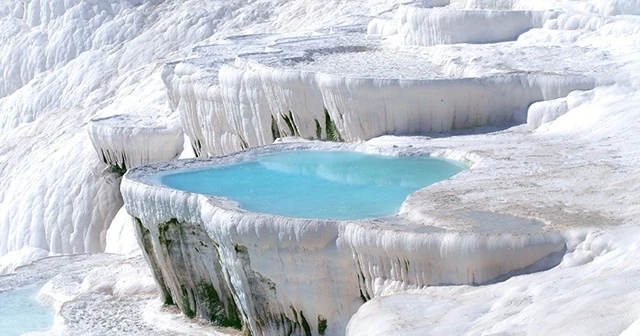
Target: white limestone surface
(127,141)
(55,197)
(121,236)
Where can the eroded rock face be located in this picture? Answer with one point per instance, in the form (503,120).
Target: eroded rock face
(187,269)
(278,276)
(191,274)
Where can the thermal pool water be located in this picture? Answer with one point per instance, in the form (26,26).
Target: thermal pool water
(340,185)
(20,312)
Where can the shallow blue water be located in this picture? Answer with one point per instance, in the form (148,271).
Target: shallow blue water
(20,312)
(318,184)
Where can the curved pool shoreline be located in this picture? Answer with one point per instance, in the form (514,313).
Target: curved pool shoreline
(317,184)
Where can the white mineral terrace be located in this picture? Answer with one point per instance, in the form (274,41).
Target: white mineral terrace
(445,234)
(297,85)
(428,26)
(127,141)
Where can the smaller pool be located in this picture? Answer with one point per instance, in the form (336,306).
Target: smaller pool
(20,312)
(318,184)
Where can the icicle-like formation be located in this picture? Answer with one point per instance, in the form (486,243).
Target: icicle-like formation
(126,141)
(278,275)
(193,91)
(432,106)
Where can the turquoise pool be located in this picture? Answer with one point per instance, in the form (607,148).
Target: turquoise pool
(20,312)
(318,184)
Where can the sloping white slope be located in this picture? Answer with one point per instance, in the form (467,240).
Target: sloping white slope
(56,195)
(64,62)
